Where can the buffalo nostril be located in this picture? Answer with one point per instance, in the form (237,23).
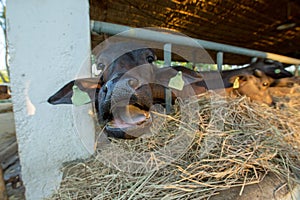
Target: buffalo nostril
(272,104)
(133,83)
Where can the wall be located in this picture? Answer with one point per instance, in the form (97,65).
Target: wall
(49,42)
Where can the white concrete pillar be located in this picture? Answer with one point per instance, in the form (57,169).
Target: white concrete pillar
(49,42)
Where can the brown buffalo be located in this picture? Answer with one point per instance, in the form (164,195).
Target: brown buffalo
(131,84)
(255,86)
(270,68)
(286,82)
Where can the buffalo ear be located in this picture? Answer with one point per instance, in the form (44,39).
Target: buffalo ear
(64,95)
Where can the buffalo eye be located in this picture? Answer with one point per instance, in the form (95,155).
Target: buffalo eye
(265,84)
(150,59)
(100,66)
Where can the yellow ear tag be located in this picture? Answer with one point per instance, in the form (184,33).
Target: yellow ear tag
(79,97)
(176,82)
(236,83)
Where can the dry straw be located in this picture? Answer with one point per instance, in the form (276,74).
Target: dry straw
(231,142)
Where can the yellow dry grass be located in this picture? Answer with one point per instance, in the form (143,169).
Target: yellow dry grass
(209,144)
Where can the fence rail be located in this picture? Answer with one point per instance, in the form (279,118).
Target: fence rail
(150,35)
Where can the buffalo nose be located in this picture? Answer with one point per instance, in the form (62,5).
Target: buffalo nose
(273,104)
(133,83)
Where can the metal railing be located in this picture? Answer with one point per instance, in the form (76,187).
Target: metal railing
(150,35)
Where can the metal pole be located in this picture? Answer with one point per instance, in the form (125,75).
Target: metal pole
(149,35)
(220,60)
(167,60)
(297,70)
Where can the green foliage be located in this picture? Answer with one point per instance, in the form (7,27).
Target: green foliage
(159,63)
(196,67)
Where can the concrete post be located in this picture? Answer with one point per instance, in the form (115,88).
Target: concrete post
(49,43)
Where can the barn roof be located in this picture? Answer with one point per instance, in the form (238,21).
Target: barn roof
(245,23)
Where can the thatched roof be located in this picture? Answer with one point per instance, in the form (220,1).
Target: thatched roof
(251,24)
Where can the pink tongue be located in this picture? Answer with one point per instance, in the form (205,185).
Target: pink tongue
(120,124)
(128,122)
(129,116)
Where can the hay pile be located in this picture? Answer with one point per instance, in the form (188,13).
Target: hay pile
(227,143)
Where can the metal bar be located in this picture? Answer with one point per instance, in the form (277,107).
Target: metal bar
(297,70)
(144,34)
(167,60)
(220,60)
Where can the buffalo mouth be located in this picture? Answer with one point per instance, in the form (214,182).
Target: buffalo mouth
(129,122)
(125,110)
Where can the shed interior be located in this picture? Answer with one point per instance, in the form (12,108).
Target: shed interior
(255,24)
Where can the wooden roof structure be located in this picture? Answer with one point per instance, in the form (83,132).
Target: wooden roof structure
(251,24)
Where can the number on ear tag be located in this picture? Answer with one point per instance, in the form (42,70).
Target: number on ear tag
(176,82)
(79,97)
(236,83)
